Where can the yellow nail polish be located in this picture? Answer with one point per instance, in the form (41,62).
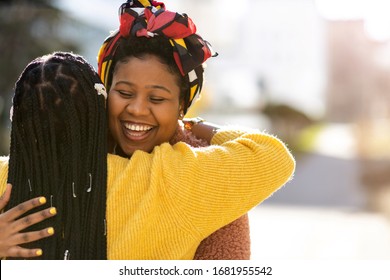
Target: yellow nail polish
(39,252)
(53,211)
(50,230)
(42,200)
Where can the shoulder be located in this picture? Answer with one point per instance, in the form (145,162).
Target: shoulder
(4,163)
(3,173)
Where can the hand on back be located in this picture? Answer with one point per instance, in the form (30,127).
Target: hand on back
(11,225)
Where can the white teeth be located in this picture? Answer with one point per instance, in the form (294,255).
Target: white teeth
(137,127)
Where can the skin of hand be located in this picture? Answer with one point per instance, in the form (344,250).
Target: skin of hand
(11,224)
(204,130)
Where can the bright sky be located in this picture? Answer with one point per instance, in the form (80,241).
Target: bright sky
(103,13)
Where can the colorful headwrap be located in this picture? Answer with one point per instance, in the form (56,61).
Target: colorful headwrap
(148,18)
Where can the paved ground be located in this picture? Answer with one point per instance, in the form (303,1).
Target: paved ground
(296,232)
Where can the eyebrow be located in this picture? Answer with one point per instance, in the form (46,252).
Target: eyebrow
(148,86)
(159,87)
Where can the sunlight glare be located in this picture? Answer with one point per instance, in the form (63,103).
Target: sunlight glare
(373,12)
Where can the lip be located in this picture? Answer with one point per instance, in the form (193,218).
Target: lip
(134,135)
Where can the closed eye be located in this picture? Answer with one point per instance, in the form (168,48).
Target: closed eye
(157,99)
(125,94)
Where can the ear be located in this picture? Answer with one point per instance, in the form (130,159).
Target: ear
(181,114)
(181,111)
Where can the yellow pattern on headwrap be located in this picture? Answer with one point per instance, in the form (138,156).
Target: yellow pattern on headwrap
(193,91)
(101,50)
(179,42)
(103,72)
(145,3)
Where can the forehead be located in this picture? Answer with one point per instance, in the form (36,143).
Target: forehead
(146,61)
(148,70)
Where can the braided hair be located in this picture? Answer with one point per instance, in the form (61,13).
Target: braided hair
(59,150)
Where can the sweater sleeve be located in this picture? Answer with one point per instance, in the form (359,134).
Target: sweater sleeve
(224,182)
(3,173)
(212,186)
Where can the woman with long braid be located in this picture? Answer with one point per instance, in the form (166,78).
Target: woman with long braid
(58,152)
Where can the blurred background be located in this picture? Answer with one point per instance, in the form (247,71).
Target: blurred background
(316,73)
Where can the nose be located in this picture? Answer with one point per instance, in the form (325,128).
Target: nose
(138,107)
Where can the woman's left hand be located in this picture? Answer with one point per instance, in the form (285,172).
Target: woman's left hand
(11,226)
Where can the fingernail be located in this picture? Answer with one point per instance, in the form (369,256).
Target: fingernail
(53,211)
(38,252)
(42,200)
(50,230)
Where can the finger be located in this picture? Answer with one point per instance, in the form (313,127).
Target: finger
(19,252)
(5,196)
(26,237)
(33,219)
(22,208)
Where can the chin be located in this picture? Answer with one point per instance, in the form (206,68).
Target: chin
(131,151)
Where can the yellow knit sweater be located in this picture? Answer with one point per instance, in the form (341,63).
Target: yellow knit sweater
(161,205)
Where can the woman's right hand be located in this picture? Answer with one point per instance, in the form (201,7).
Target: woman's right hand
(11,224)
(200,128)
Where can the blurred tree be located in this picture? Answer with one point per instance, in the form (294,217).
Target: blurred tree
(287,122)
(28,29)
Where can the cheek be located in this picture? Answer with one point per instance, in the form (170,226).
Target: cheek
(168,123)
(113,106)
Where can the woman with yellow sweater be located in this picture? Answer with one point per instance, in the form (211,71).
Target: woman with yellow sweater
(152,66)
(160,205)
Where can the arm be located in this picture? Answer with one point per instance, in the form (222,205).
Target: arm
(231,242)
(238,171)
(208,187)
(11,226)
(184,194)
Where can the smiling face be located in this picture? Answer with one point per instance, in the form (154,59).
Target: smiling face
(143,104)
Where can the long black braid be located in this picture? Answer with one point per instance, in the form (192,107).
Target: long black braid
(59,150)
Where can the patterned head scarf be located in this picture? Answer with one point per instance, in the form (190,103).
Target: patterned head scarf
(148,18)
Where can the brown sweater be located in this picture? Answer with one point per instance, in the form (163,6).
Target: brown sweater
(232,242)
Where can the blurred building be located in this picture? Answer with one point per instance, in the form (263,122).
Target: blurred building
(358,86)
(358,98)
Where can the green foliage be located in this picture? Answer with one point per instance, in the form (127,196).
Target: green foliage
(308,137)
